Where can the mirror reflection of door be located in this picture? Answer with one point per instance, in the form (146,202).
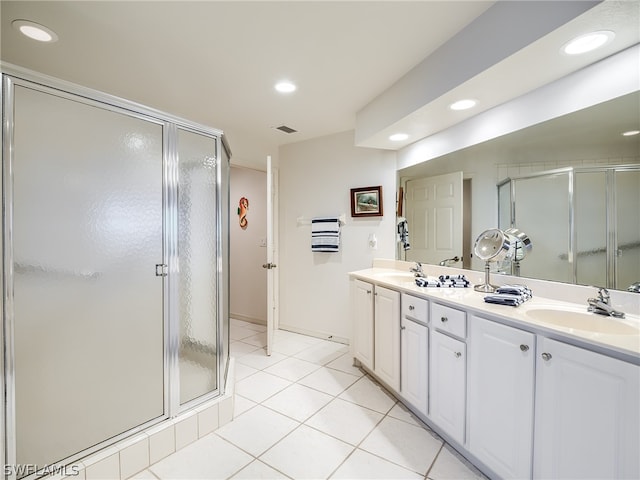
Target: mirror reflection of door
(434,211)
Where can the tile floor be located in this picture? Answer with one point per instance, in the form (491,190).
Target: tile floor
(306,413)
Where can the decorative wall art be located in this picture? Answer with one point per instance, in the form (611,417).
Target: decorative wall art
(366,202)
(243,206)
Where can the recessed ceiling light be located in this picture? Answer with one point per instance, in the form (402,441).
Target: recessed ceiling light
(285,87)
(630,133)
(35,31)
(587,42)
(398,137)
(463,104)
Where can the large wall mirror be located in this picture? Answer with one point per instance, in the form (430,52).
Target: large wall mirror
(561,170)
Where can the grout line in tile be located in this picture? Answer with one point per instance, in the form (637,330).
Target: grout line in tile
(357,447)
(435,459)
(420,423)
(148,469)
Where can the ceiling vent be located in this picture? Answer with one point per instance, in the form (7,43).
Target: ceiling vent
(285,129)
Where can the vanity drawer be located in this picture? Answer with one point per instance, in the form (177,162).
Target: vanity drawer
(414,307)
(448,319)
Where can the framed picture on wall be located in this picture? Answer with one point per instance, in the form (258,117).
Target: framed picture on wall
(366,202)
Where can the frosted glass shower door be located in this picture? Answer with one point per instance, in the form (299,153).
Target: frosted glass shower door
(88,306)
(542,205)
(198,233)
(590,209)
(627,251)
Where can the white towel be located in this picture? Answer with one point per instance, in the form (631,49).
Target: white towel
(325,234)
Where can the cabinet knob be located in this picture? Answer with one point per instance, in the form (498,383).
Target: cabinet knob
(444,319)
(524,348)
(411,307)
(402,327)
(546,356)
(458,354)
(369,292)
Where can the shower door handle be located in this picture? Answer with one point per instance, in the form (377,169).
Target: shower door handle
(161,269)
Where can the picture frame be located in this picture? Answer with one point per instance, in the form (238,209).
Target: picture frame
(366,201)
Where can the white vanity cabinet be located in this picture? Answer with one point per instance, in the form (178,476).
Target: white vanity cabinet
(501,377)
(587,418)
(362,322)
(522,404)
(414,351)
(447,370)
(387,336)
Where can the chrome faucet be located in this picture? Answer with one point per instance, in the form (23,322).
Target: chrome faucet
(634,287)
(417,270)
(602,304)
(448,261)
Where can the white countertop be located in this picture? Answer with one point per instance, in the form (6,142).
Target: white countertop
(626,344)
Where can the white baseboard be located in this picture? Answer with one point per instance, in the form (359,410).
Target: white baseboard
(246,318)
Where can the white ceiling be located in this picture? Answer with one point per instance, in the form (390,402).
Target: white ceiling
(216,62)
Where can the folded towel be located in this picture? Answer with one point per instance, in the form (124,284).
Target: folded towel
(325,234)
(453,277)
(446,281)
(515,290)
(457,281)
(427,282)
(512,300)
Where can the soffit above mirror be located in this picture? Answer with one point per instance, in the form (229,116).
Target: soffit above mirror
(405,107)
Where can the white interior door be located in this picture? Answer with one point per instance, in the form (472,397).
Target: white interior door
(272,272)
(434,214)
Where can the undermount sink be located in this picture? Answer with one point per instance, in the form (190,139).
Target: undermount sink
(584,321)
(396,276)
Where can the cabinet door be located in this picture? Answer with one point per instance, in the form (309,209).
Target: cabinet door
(387,336)
(447,384)
(500,401)
(587,417)
(362,342)
(414,339)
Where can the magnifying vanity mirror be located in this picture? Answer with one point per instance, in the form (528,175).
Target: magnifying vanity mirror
(571,183)
(491,246)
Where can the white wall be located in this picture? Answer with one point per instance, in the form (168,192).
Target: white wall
(315,180)
(248,280)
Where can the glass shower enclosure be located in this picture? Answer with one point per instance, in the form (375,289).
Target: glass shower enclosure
(583,223)
(115,270)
